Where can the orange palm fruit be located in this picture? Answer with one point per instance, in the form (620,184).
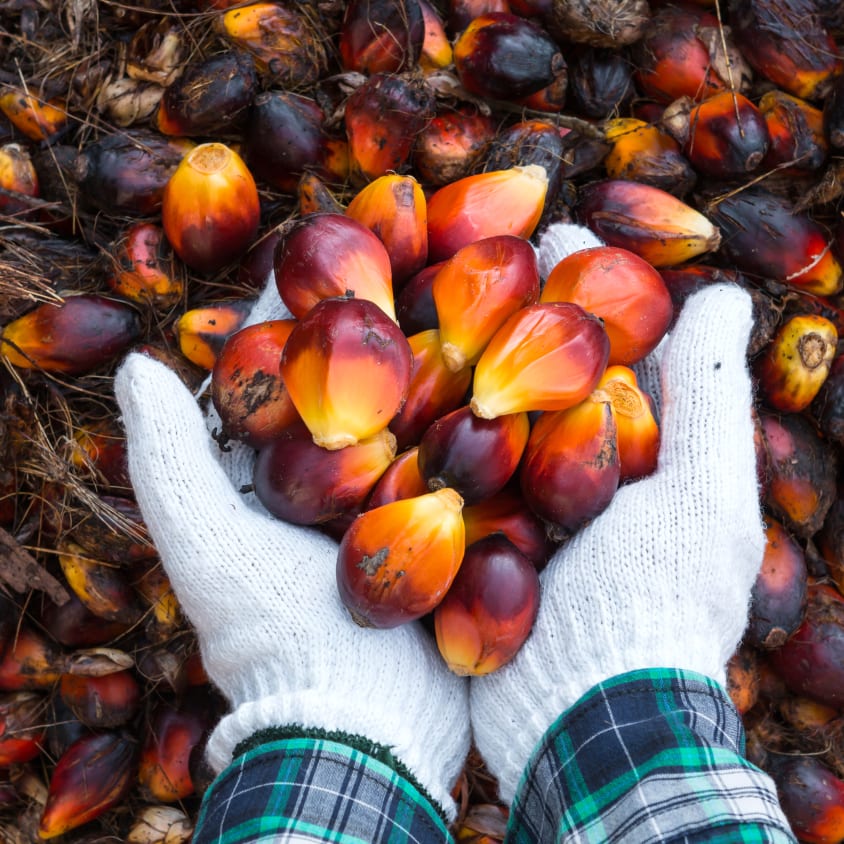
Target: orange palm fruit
(164,616)
(18,180)
(74,337)
(22,719)
(637,431)
(547,356)
(796,130)
(144,268)
(314,196)
(489,610)
(110,700)
(330,255)
(392,45)
(39,120)
(396,562)
(436,47)
(743,678)
(202,332)
(434,389)
(620,288)
(796,363)
(338,346)
(571,470)
(210,209)
(485,205)
(394,208)
(651,222)
(30,661)
(95,773)
(247,389)
(474,456)
(305,484)
(477,289)
(401,479)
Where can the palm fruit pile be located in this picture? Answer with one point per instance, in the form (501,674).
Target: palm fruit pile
(390,165)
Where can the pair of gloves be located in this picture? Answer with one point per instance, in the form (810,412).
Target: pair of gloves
(661,579)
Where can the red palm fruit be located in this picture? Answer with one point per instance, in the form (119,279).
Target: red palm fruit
(286,47)
(778,599)
(210,208)
(300,482)
(743,679)
(315,197)
(570,470)
(794,366)
(450,144)
(101,447)
(503,56)
(551,99)
(38,119)
(485,205)
(339,345)
(397,561)
(415,308)
(30,661)
(800,472)
(331,255)
(507,514)
(620,288)
(110,700)
(653,223)
(144,267)
(436,50)
(210,96)
(382,117)
(796,130)
(401,479)
(247,389)
(164,616)
(72,624)
(434,389)
(475,456)
(114,530)
(18,179)
(381,36)
(74,337)
(395,209)
(22,719)
(477,290)
(637,431)
(462,12)
(489,609)
(95,773)
(202,332)
(548,356)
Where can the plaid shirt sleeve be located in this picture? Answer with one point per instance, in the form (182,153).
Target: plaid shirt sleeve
(653,755)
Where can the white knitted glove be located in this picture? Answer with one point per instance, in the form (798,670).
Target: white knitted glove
(262,595)
(662,577)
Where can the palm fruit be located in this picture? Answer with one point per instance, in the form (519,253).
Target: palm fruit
(210,96)
(489,609)
(620,288)
(210,208)
(474,456)
(725,136)
(462,12)
(163,618)
(611,25)
(828,407)
(485,205)
(18,180)
(246,386)
(434,389)
(339,345)
(110,700)
(833,113)
(382,117)
(830,542)
(38,119)
(396,562)
(95,773)
(202,332)
(144,267)
(300,482)
(30,661)
(796,130)
(506,57)
(743,678)
(796,363)
(436,50)
(415,308)
(637,431)
(653,223)
(778,598)
(74,337)
(281,38)
(114,530)
(600,82)
(642,152)
(401,479)
(381,36)
(570,470)
(330,255)
(395,209)
(477,290)
(73,625)
(22,718)
(547,356)
(763,235)
(314,196)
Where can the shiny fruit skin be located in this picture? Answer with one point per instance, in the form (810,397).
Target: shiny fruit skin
(620,288)
(17,176)
(489,609)
(392,46)
(401,479)
(210,208)
(415,308)
(396,562)
(796,129)
(102,702)
(202,332)
(39,120)
(22,716)
(247,389)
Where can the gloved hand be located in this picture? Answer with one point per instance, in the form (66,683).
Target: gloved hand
(262,595)
(662,578)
